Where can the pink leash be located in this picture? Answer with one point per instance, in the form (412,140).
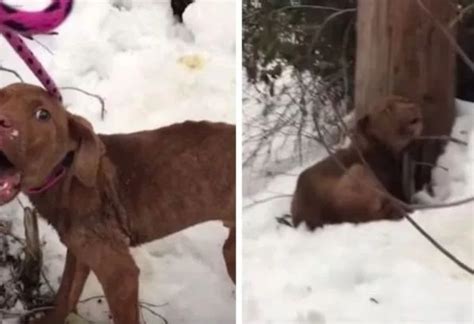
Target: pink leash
(15,23)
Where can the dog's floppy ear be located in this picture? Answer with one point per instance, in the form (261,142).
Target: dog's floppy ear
(88,152)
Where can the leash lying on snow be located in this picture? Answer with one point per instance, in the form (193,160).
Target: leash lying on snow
(286,220)
(15,24)
(437,245)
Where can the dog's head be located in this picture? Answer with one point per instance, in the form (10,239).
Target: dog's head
(394,121)
(36,135)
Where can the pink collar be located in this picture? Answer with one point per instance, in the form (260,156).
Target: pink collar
(53,178)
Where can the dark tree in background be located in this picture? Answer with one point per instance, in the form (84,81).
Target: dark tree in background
(310,35)
(319,36)
(465,35)
(312,44)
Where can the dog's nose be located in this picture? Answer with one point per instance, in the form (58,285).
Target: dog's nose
(5,123)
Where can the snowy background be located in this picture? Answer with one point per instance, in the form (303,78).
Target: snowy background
(379,272)
(152,72)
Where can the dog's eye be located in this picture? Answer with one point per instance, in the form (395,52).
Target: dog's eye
(42,115)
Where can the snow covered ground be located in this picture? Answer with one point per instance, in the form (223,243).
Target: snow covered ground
(380,272)
(152,72)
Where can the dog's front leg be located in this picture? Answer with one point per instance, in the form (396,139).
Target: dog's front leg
(107,254)
(72,283)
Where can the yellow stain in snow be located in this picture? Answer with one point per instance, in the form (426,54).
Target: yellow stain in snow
(193,62)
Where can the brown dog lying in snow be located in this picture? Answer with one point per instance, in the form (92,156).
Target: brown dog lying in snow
(341,188)
(105,193)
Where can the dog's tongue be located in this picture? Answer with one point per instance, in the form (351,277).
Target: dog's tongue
(9,186)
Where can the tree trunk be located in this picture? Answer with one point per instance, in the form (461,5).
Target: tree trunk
(401,51)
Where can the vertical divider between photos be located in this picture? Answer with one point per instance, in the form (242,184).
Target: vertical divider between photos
(238,111)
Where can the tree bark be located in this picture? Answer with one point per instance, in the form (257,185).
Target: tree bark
(401,51)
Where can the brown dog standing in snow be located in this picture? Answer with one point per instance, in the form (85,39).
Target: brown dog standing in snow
(105,193)
(341,188)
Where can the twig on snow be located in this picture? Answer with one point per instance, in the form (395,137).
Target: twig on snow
(15,73)
(448,254)
(260,201)
(142,304)
(431,165)
(103,111)
(165,321)
(442,205)
(446,138)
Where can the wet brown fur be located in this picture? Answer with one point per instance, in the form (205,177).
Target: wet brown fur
(341,188)
(119,191)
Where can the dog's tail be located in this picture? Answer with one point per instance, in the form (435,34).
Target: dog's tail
(285,220)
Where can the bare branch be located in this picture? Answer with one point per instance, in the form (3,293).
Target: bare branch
(461,15)
(442,138)
(154,313)
(143,305)
(86,300)
(5,230)
(432,165)
(261,201)
(43,46)
(15,73)
(46,281)
(326,21)
(448,35)
(343,60)
(448,254)
(296,7)
(103,111)
(442,205)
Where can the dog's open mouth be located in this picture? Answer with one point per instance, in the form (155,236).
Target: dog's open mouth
(9,179)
